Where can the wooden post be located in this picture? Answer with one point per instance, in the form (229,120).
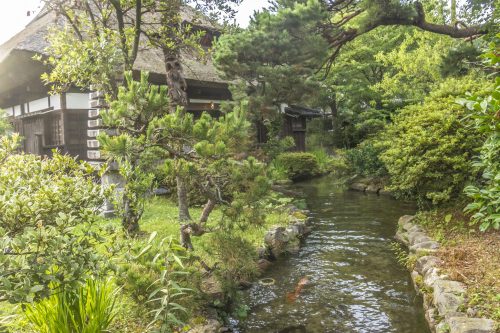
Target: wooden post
(64,123)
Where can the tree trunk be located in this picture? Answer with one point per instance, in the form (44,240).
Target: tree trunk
(182,199)
(176,83)
(209,207)
(130,222)
(177,92)
(186,237)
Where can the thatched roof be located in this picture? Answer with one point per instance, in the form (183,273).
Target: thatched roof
(33,39)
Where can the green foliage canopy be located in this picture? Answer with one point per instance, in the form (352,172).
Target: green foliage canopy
(485,111)
(428,147)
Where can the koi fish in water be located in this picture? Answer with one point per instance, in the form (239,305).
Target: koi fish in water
(292,296)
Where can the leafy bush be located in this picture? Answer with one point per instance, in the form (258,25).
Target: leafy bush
(166,292)
(48,234)
(299,165)
(322,158)
(486,115)
(334,164)
(91,309)
(428,147)
(365,161)
(4,124)
(153,274)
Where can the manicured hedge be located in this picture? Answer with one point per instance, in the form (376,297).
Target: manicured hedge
(299,165)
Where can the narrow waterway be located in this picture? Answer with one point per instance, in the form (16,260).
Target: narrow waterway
(356,283)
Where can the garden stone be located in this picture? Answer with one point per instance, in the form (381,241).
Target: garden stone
(211,287)
(263,264)
(373,188)
(292,209)
(455,314)
(211,326)
(292,246)
(414,278)
(423,264)
(426,246)
(418,237)
(293,231)
(431,317)
(442,327)
(405,221)
(276,239)
(358,187)
(447,302)
(471,325)
(383,191)
(402,237)
(262,253)
(448,296)
(415,228)
(431,276)
(471,312)
(300,228)
(162,191)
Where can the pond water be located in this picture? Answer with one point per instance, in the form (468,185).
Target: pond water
(355,282)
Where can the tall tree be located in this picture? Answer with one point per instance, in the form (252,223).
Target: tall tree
(102,39)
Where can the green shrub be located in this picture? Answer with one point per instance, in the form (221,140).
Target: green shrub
(486,115)
(365,161)
(48,229)
(428,147)
(91,309)
(335,163)
(299,165)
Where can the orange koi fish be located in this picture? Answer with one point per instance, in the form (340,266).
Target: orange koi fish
(292,296)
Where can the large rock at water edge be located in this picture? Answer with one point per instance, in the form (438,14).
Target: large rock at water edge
(424,247)
(276,239)
(448,296)
(471,325)
(405,219)
(358,187)
(423,264)
(211,326)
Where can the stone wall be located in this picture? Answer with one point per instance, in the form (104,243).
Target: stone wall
(444,299)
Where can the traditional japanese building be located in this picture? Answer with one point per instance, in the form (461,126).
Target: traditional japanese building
(70,121)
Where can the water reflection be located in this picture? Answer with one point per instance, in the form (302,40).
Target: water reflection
(356,284)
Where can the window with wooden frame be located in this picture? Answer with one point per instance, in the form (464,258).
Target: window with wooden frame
(53,131)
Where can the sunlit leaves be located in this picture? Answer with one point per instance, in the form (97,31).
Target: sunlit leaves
(47,238)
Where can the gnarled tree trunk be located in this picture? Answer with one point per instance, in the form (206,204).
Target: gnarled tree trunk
(177,87)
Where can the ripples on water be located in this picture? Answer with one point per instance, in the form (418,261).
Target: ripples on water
(356,284)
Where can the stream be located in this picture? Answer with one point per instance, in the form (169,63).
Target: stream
(355,282)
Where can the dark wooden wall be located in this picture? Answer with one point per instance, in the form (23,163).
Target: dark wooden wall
(33,130)
(296,128)
(45,132)
(76,140)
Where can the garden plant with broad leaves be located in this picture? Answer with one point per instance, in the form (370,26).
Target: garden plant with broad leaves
(48,231)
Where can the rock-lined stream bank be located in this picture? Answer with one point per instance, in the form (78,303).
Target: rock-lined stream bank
(444,299)
(345,277)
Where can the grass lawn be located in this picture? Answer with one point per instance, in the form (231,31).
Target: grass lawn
(160,215)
